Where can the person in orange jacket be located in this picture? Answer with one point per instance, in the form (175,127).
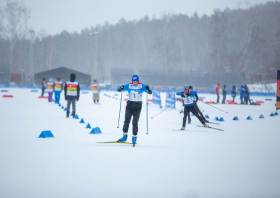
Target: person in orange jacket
(218,91)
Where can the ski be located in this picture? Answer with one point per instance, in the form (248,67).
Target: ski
(213,123)
(116,142)
(210,127)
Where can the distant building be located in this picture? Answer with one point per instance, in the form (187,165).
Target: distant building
(64,73)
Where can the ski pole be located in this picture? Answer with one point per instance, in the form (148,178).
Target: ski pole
(214,107)
(120,111)
(147,113)
(163,110)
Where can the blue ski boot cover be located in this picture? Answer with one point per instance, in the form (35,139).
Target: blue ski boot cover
(134,138)
(123,139)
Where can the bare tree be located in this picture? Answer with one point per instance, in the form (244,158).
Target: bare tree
(16,16)
(243,62)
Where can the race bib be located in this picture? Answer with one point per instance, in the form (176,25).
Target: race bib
(71,89)
(57,86)
(134,95)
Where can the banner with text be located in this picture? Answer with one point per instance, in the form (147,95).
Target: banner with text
(170,98)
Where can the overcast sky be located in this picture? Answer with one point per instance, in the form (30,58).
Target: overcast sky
(74,15)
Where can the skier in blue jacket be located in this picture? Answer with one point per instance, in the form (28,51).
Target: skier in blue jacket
(134,106)
(186,90)
(189,107)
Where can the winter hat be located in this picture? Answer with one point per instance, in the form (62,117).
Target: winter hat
(218,84)
(72,77)
(224,86)
(186,87)
(190,87)
(94,80)
(50,79)
(135,78)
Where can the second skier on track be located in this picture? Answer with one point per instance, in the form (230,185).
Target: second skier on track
(189,99)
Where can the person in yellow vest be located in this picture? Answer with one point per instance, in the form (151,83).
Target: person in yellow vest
(57,89)
(72,93)
(95,91)
(50,87)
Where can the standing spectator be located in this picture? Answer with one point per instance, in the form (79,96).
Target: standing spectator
(57,89)
(242,94)
(246,95)
(43,84)
(224,95)
(218,91)
(233,93)
(50,89)
(72,93)
(95,91)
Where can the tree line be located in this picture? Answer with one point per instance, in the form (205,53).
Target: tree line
(229,40)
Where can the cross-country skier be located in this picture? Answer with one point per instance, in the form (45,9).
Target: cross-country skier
(194,95)
(224,95)
(50,88)
(72,93)
(134,106)
(233,93)
(189,107)
(95,91)
(186,90)
(43,84)
(57,89)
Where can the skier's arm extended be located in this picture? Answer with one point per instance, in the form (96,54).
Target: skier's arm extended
(196,96)
(179,93)
(146,88)
(123,88)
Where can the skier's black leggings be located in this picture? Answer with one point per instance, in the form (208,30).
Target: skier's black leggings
(189,109)
(198,111)
(233,99)
(189,115)
(132,109)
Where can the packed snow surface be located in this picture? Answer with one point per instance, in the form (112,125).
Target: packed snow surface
(242,161)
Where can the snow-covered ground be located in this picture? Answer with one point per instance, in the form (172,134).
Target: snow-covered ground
(242,161)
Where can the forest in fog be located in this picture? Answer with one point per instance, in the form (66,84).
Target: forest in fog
(237,40)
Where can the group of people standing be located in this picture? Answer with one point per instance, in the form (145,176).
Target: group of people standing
(244,94)
(71,91)
(51,86)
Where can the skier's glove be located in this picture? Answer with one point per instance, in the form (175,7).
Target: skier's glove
(77,99)
(147,87)
(150,92)
(120,89)
(182,95)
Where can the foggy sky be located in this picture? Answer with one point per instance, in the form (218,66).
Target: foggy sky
(73,15)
